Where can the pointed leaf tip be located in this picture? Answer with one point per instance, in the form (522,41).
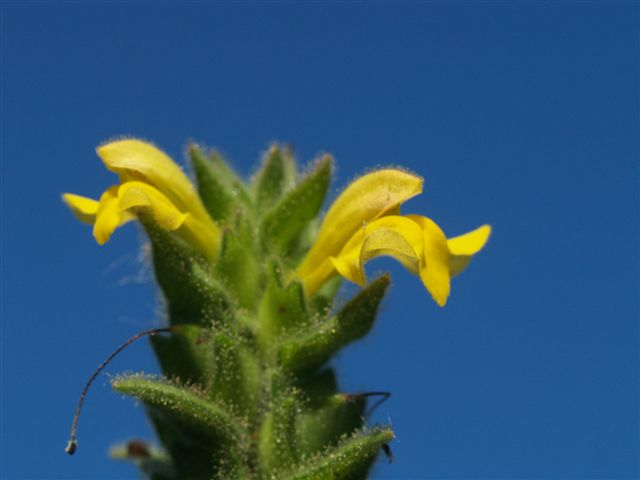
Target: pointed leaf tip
(283,224)
(277,176)
(216,193)
(310,350)
(351,459)
(182,403)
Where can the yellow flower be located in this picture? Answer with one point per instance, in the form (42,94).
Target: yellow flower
(152,183)
(364,223)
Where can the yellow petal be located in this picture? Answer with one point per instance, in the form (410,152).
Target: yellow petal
(142,161)
(393,236)
(134,160)
(434,267)
(397,244)
(463,247)
(368,198)
(104,214)
(140,195)
(108,216)
(470,243)
(83,208)
(316,279)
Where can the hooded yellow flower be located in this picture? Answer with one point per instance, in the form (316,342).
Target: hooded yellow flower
(364,223)
(150,182)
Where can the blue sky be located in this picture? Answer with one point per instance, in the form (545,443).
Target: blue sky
(521,115)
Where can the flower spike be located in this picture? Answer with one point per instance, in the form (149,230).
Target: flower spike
(249,276)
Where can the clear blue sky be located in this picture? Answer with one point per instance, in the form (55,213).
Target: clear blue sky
(521,115)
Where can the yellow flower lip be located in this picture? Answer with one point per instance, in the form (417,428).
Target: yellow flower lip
(470,243)
(417,242)
(139,195)
(393,236)
(152,182)
(83,208)
(463,248)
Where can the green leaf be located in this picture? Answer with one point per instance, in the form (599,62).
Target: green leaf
(310,350)
(323,300)
(238,265)
(318,387)
(276,176)
(350,460)
(277,448)
(326,416)
(186,354)
(190,407)
(196,454)
(193,294)
(281,308)
(323,425)
(238,187)
(204,440)
(236,381)
(216,191)
(286,222)
(219,169)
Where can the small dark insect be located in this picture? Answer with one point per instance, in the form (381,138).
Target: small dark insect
(202,339)
(137,449)
(387,451)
